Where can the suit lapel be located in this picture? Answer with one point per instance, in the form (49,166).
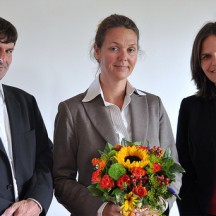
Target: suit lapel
(139,117)
(2,147)
(14,114)
(100,118)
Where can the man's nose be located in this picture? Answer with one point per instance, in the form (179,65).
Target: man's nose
(2,56)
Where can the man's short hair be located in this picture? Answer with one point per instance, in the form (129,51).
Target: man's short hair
(8,32)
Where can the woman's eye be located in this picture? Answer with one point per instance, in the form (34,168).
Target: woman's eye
(131,50)
(205,57)
(114,49)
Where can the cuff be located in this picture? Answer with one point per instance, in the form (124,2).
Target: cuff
(41,209)
(100,210)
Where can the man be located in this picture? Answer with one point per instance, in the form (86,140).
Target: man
(26,186)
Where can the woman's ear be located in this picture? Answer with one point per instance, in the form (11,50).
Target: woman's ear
(96,53)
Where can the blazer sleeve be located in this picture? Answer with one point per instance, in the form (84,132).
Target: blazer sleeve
(167,141)
(73,195)
(188,190)
(40,186)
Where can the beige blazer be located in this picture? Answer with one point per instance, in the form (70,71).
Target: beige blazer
(81,129)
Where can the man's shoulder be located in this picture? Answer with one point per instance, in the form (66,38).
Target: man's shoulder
(17,93)
(15,90)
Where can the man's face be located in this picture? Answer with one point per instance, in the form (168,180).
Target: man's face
(6,50)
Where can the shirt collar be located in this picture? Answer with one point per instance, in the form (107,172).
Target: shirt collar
(1,90)
(95,89)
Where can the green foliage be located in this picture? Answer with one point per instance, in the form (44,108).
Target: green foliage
(116,170)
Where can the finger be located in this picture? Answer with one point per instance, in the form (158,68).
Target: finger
(10,210)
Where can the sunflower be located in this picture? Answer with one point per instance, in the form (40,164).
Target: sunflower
(131,156)
(129,203)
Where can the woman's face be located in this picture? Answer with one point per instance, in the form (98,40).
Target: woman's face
(118,54)
(208,57)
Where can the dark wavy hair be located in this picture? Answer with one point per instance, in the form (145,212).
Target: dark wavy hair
(205,87)
(8,32)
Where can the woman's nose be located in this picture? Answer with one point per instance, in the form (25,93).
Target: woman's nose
(123,55)
(214,59)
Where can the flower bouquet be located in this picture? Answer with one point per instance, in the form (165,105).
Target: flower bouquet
(135,177)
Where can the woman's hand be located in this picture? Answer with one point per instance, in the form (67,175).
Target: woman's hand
(111,210)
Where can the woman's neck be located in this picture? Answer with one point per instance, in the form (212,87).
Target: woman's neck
(114,92)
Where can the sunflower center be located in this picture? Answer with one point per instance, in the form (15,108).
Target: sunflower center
(132,159)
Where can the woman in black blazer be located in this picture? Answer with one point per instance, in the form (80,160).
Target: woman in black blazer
(196,131)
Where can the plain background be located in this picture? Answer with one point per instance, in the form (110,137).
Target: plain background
(51,58)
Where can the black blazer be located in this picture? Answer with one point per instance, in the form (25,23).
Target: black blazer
(32,152)
(196,145)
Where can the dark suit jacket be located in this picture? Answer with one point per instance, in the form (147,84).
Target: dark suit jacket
(81,129)
(32,153)
(196,144)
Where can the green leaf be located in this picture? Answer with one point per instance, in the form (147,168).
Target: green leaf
(108,148)
(176,168)
(167,153)
(119,196)
(95,191)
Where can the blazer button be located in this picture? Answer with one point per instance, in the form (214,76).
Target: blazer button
(9,187)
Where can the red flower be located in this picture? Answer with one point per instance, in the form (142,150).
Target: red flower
(140,191)
(117,147)
(138,172)
(98,163)
(124,179)
(106,182)
(157,167)
(96,176)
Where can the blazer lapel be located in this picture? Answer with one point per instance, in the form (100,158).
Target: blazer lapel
(139,117)
(100,118)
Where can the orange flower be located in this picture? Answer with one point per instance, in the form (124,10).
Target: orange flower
(157,167)
(117,147)
(106,182)
(138,172)
(98,163)
(95,161)
(123,181)
(140,191)
(96,176)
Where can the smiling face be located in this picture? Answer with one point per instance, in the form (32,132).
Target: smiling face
(6,50)
(118,54)
(208,57)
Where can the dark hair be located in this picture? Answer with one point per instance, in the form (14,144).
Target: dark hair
(8,32)
(205,87)
(114,21)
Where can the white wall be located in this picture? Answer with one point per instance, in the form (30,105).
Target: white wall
(51,58)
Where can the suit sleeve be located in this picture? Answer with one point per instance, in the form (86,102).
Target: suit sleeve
(73,195)
(41,184)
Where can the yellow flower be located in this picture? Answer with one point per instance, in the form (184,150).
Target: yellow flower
(132,156)
(129,203)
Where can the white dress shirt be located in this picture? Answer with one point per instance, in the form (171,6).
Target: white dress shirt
(5,135)
(121,118)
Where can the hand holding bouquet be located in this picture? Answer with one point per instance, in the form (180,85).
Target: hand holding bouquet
(136,177)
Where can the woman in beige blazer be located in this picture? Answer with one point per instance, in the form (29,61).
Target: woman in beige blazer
(109,111)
